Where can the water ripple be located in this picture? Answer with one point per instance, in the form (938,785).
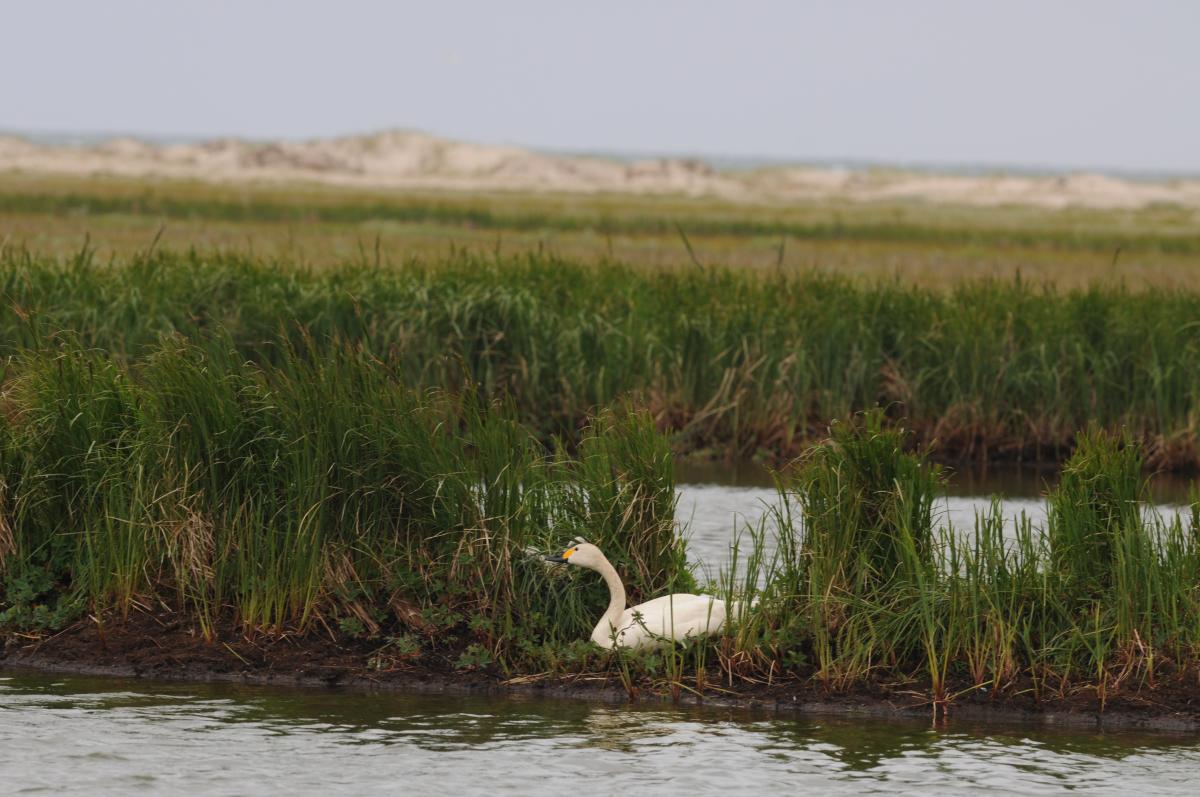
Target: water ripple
(87,736)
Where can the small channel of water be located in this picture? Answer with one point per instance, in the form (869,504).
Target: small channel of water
(716,499)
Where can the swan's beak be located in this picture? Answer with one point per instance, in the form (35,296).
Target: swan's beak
(562,557)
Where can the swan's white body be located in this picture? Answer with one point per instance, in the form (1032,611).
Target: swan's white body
(669,618)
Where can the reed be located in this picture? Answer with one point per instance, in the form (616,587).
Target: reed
(386,451)
(1101,599)
(313,491)
(731,363)
(306,492)
(1095,512)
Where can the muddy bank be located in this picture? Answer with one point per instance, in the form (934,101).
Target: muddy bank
(161,647)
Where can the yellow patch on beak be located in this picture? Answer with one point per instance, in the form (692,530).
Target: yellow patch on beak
(567,553)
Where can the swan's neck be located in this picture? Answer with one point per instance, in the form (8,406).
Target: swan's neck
(616,599)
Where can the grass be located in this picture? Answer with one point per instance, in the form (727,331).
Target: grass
(931,245)
(1165,229)
(309,492)
(1103,600)
(313,492)
(730,363)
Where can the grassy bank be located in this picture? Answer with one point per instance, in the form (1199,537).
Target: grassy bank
(729,362)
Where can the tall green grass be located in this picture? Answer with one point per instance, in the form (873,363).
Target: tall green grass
(311,489)
(728,362)
(1103,599)
(314,491)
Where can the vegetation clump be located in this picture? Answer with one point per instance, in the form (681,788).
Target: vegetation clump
(866,506)
(865,589)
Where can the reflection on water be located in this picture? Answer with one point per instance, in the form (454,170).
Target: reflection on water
(90,736)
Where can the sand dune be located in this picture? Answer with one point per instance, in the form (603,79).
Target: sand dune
(401,159)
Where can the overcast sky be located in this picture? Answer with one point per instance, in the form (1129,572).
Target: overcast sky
(1086,83)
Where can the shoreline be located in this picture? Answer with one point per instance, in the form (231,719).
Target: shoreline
(313,662)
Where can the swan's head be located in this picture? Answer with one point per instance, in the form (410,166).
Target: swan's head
(583,554)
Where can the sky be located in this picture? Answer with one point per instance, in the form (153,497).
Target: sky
(1056,83)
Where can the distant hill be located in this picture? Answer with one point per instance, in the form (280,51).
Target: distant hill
(405,159)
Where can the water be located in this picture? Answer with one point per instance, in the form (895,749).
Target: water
(97,737)
(716,500)
(713,512)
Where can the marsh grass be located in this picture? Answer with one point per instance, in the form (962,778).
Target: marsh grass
(387,453)
(865,592)
(1160,229)
(316,492)
(727,362)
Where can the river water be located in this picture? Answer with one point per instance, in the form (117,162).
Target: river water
(109,737)
(69,735)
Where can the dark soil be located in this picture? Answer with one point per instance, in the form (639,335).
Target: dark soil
(162,647)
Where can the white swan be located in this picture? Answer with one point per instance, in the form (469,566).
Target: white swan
(671,617)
